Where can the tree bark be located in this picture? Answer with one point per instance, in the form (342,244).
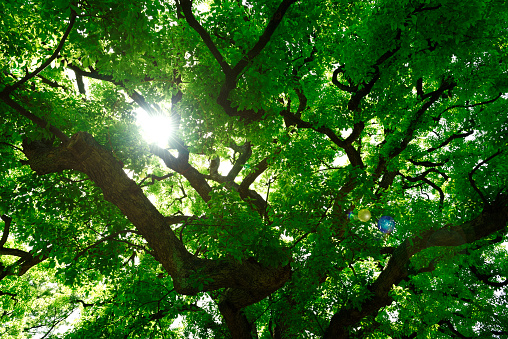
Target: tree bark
(494,218)
(190,274)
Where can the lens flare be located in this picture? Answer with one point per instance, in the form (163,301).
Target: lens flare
(155,129)
(364,215)
(386,224)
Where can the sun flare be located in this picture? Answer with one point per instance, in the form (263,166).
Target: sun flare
(155,129)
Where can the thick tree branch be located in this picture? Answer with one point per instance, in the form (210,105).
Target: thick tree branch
(190,274)
(419,88)
(353,154)
(80,82)
(264,38)
(245,153)
(235,318)
(494,218)
(30,262)
(186,6)
(181,165)
(26,261)
(336,82)
(14,252)
(214,167)
(7,220)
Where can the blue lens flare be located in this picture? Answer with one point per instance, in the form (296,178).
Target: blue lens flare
(386,224)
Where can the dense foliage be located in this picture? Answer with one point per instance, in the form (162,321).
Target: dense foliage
(285,117)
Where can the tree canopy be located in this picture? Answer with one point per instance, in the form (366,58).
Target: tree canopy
(287,118)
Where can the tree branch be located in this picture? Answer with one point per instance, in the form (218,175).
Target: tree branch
(7,220)
(423,175)
(9,89)
(181,166)
(236,320)
(155,178)
(450,139)
(491,220)
(473,105)
(232,75)
(80,82)
(472,182)
(434,97)
(190,274)
(84,304)
(14,252)
(336,82)
(178,219)
(361,91)
(136,96)
(452,329)
(50,83)
(186,6)
(264,38)
(31,262)
(247,195)
(110,237)
(252,176)
(35,119)
(353,154)
(245,153)
(427,163)
(486,278)
(12,295)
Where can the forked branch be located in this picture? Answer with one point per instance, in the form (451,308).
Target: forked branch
(186,6)
(491,220)
(471,180)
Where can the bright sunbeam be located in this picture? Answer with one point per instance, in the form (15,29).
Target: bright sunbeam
(155,129)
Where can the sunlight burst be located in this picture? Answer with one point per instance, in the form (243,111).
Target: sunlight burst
(155,129)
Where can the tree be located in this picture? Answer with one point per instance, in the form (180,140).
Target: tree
(288,118)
